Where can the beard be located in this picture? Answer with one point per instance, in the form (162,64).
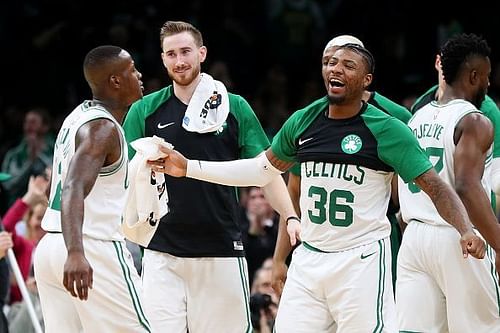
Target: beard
(333,100)
(186,78)
(478,99)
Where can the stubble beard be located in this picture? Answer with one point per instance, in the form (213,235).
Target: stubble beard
(479,99)
(185,79)
(334,100)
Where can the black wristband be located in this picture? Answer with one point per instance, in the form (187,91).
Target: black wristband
(292,218)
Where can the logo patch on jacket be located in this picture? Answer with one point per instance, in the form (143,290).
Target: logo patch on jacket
(351,144)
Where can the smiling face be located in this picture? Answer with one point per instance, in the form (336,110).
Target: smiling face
(345,74)
(182,57)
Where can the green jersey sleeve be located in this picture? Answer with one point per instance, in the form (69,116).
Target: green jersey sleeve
(134,125)
(252,138)
(284,142)
(490,110)
(398,148)
(394,109)
(135,121)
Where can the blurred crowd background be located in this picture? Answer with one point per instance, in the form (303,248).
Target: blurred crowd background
(267,51)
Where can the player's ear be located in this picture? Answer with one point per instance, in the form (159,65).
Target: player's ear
(367,80)
(203,53)
(114,80)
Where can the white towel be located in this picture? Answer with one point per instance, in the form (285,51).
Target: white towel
(148,198)
(208,108)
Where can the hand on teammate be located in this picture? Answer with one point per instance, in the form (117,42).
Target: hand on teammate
(78,275)
(473,245)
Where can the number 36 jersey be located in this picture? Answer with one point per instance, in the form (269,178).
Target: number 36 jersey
(434,126)
(346,171)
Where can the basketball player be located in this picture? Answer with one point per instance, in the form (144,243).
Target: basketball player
(283,247)
(340,277)
(85,274)
(433,278)
(194,275)
(488,107)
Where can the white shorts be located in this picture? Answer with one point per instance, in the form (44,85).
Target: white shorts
(196,294)
(349,291)
(113,304)
(438,290)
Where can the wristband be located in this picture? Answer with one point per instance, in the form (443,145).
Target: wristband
(292,218)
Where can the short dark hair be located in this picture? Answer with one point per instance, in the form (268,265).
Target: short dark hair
(367,56)
(170,28)
(101,55)
(457,50)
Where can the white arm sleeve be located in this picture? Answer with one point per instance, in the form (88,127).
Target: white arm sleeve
(495,175)
(257,171)
(277,195)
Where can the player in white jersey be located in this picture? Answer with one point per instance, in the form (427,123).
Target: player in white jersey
(83,253)
(340,277)
(437,289)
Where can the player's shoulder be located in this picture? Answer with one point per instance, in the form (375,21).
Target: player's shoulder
(424,99)
(381,123)
(240,108)
(391,107)
(313,108)
(489,107)
(86,111)
(375,112)
(150,102)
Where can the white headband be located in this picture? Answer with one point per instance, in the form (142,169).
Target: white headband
(342,40)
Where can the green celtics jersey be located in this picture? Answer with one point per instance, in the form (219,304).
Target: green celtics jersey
(346,170)
(384,104)
(203,218)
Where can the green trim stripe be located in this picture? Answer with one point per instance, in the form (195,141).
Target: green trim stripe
(494,275)
(246,291)
(381,288)
(489,158)
(312,248)
(131,287)
(115,169)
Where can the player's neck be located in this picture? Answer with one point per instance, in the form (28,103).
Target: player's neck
(449,93)
(117,112)
(185,92)
(344,111)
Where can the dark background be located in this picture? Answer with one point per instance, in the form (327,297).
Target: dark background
(271,49)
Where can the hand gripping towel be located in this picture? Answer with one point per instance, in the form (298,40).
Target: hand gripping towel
(208,108)
(147,200)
